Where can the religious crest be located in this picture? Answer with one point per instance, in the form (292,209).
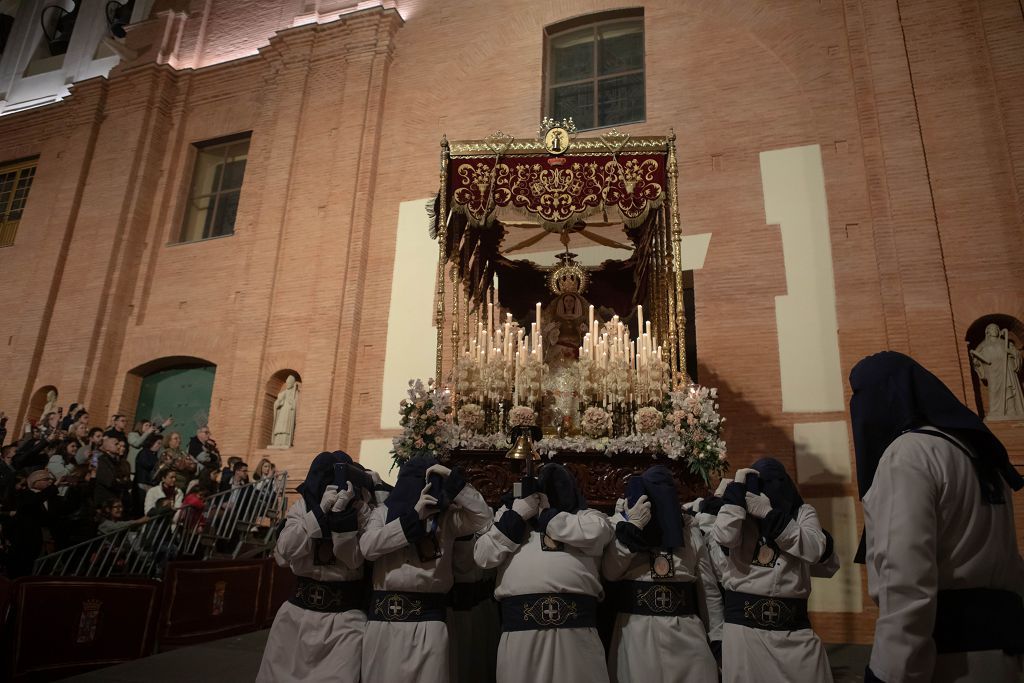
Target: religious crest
(550,611)
(766,554)
(557,135)
(217,608)
(88,621)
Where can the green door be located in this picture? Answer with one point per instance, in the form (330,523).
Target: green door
(181,393)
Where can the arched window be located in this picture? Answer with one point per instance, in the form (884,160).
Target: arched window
(594,69)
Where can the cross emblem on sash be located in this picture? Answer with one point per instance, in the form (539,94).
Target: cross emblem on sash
(771,612)
(551,611)
(395,607)
(662,598)
(317,596)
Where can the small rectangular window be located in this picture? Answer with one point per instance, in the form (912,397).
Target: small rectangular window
(15,182)
(595,69)
(216,185)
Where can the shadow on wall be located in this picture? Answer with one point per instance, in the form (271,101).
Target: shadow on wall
(749,434)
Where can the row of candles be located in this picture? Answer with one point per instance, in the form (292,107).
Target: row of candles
(501,361)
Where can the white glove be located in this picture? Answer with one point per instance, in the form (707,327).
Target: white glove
(375,477)
(741,475)
(620,506)
(329,498)
(425,503)
(694,505)
(720,491)
(640,514)
(438,469)
(527,507)
(759,506)
(344,498)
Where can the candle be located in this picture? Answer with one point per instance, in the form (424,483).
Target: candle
(538,316)
(590,323)
(639,320)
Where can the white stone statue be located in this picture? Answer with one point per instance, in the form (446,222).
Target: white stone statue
(284,414)
(51,403)
(997,361)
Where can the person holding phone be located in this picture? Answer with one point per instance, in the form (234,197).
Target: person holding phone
(410,540)
(772,539)
(317,635)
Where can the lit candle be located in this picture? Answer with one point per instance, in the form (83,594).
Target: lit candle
(639,320)
(590,323)
(538,316)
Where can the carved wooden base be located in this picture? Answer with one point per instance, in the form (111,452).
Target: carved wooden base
(602,477)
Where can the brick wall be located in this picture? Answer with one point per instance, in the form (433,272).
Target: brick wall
(917,109)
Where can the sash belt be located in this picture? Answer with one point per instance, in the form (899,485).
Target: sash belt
(978,619)
(466,596)
(657,598)
(538,611)
(328,596)
(403,606)
(765,613)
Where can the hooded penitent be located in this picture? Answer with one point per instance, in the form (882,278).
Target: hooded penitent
(319,477)
(409,486)
(665,530)
(893,394)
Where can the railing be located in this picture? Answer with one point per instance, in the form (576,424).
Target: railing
(230,521)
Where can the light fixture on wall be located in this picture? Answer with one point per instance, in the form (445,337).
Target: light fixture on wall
(119,15)
(63,22)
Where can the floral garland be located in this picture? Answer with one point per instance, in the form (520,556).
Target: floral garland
(687,426)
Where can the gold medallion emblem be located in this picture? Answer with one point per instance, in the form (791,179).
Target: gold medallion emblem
(557,140)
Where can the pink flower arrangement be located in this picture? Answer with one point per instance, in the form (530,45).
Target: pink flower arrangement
(522,416)
(471,417)
(596,422)
(648,420)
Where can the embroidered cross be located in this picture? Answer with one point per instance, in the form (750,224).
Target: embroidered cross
(395,607)
(551,611)
(663,599)
(770,612)
(316,596)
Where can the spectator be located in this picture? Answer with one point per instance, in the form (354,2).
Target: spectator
(62,463)
(113,479)
(224,481)
(111,518)
(26,527)
(190,515)
(49,424)
(183,464)
(265,470)
(69,418)
(31,453)
(147,463)
(137,437)
(239,476)
(89,453)
(117,425)
(82,417)
(165,490)
(204,449)
(79,432)
(7,477)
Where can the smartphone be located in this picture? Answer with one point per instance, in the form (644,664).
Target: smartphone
(436,482)
(341,476)
(753,483)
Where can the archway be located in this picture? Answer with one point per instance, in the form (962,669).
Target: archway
(178,387)
(38,402)
(976,334)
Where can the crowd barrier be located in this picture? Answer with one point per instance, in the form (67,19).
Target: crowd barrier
(58,627)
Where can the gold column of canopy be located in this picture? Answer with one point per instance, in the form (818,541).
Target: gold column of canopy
(676,255)
(442,256)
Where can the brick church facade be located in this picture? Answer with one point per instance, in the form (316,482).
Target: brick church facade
(900,123)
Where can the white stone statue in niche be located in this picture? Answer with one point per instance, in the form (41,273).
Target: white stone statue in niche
(997,361)
(51,403)
(284,414)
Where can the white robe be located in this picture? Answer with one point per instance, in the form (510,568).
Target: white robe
(407,652)
(314,646)
(928,529)
(706,523)
(473,633)
(668,649)
(752,655)
(557,655)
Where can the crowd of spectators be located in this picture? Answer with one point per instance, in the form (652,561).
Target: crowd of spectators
(63,481)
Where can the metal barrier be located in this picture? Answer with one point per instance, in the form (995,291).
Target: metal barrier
(230,520)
